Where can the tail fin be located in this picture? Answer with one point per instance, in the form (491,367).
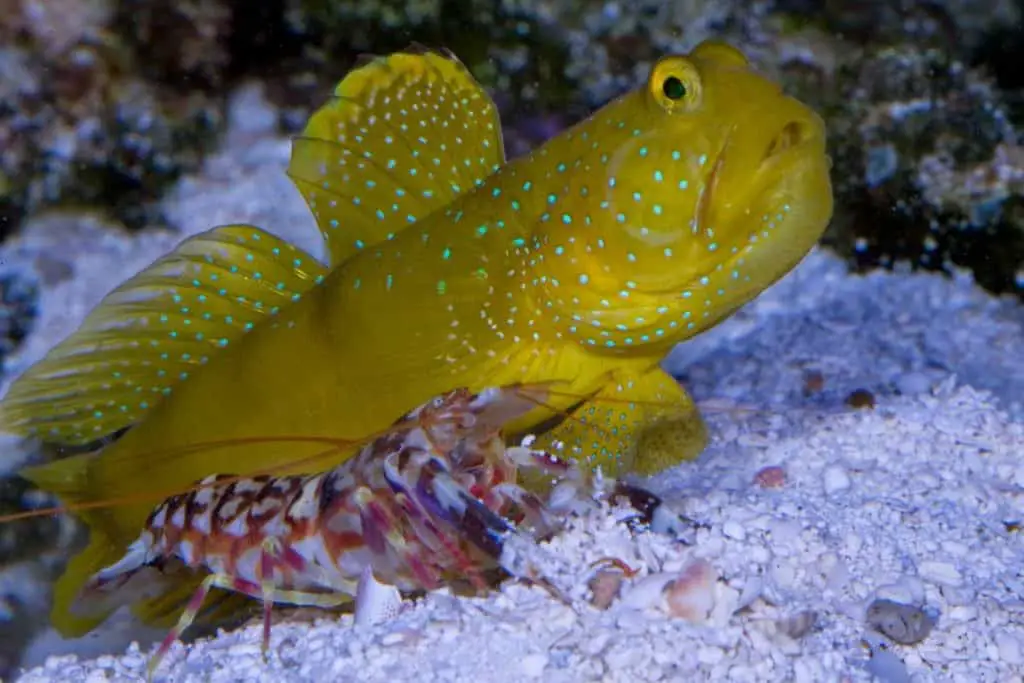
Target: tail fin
(67,479)
(69,622)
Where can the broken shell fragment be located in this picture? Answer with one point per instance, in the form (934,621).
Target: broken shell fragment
(691,596)
(688,594)
(376,602)
(605,586)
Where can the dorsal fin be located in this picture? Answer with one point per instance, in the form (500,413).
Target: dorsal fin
(404,135)
(152,331)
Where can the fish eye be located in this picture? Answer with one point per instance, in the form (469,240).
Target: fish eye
(675,84)
(673,88)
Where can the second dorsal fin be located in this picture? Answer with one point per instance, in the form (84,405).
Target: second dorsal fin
(403,135)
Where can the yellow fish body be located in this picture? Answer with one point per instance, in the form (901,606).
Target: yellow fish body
(583,262)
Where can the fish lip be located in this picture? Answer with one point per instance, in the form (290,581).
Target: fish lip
(792,125)
(809,145)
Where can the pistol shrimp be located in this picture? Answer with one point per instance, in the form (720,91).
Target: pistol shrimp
(426,504)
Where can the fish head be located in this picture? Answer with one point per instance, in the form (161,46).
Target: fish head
(697,191)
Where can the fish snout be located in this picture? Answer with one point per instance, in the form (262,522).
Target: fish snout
(774,156)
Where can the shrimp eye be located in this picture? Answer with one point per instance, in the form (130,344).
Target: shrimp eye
(673,88)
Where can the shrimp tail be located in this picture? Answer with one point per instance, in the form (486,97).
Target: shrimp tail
(156,596)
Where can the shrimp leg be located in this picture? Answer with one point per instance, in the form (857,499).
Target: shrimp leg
(273,556)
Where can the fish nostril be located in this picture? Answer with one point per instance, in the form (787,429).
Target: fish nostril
(791,135)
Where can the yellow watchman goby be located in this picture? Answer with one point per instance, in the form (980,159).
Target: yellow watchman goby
(583,262)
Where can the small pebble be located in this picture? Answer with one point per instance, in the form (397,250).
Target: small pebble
(783,575)
(784,530)
(1009,649)
(647,592)
(962,613)
(860,398)
(592,646)
(624,658)
(798,625)
(533,665)
(632,622)
(836,479)
(909,590)
(771,477)
(734,530)
(943,573)
(955,548)
(393,638)
(905,624)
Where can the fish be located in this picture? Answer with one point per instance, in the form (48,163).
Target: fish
(582,263)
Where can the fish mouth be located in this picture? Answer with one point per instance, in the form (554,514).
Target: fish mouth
(790,146)
(775,155)
(797,142)
(793,138)
(793,134)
